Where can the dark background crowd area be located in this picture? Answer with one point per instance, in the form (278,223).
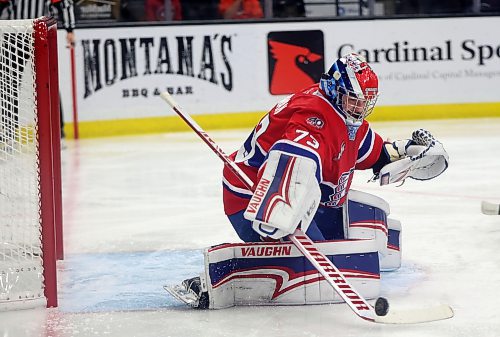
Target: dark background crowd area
(202,10)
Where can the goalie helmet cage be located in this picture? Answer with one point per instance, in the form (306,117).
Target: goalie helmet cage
(30,164)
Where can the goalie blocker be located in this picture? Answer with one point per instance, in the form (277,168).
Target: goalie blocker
(276,273)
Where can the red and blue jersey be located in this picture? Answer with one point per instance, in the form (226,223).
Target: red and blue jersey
(305,124)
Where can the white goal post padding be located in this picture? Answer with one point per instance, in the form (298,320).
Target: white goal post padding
(29,163)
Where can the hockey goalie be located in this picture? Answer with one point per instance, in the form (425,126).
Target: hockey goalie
(301,158)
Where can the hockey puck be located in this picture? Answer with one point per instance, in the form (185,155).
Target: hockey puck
(381,306)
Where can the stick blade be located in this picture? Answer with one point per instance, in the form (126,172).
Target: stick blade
(490,208)
(414,316)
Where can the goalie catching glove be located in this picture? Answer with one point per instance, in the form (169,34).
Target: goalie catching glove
(421,158)
(286,196)
(399,149)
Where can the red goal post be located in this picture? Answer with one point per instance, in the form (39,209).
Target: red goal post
(30,164)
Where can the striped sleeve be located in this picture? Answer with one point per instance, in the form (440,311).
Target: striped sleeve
(369,150)
(28,9)
(66,13)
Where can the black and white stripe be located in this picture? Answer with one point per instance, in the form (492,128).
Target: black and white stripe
(30,9)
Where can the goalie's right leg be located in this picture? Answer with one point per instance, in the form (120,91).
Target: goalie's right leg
(192,292)
(368,219)
(276,273)
(194,286)
(243,228)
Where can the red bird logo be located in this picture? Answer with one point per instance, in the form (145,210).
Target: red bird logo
(288,77)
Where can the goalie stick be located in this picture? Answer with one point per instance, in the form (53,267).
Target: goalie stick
(380,312)
(490,208)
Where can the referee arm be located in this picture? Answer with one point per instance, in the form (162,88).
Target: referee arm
(66,11)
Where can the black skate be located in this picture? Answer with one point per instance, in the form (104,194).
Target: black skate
(191,292)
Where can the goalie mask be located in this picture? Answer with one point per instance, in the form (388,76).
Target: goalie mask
(352,86)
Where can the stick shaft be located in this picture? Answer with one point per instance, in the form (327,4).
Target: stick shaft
(206,138)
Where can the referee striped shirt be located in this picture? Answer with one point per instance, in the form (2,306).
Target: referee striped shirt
(31,9)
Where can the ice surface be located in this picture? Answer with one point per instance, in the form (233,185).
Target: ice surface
(138,211)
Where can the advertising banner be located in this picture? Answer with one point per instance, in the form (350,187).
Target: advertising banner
(97,11)
(237,68)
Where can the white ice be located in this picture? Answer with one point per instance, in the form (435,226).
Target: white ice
(138,211)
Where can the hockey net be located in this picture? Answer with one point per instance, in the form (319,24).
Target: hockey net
(30,179)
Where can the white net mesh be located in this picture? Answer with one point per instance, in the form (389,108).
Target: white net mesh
(21,279)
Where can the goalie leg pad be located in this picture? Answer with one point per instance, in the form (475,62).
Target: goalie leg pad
(368,219)
(392,260)
(278,274)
